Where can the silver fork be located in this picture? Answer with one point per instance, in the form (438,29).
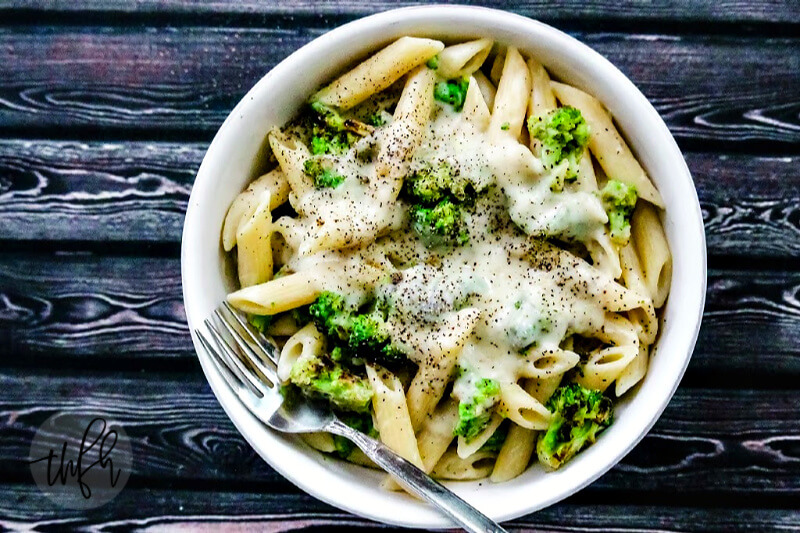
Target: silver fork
(240,364)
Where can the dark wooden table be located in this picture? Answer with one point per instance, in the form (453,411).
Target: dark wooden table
(106,109)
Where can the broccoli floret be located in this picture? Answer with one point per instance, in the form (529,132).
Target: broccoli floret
(331,316)
(475,410)
(260,322)
(497,439)
(579,415)
(333,134)
(355,335)
(441,225)
(323,177)
(433,63)
(323,378)
(378,119)
(619,200)
(359,422)
(436,182)
(563,134)
(452,92)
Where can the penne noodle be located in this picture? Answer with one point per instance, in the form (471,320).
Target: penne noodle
(511,100)
(391,414)
(276,296)
(463,59)
(378,72)
(254,239)
(653,251)
(274,182)
(475,108)
(607,144)
(488,90)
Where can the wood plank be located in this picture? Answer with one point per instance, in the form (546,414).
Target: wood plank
(23,507)
(80,306)
(97,191)
(740,91)
(707,442)
(726,11)
(138,191)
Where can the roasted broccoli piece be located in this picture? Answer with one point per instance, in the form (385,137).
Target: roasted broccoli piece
(619,200)
(357,421)
(436,182)
(331,316)
(369,338)
(564,134)
(323,378)
(356,336)
(579,415)
(452,92)
(333,134)
(441,225)
(475,410)
(260,322)
(323,176)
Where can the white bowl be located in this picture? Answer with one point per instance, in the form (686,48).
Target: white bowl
(233,160)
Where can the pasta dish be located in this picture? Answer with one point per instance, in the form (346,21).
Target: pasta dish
(460,255)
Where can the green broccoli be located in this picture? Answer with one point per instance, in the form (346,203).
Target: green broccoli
(331,316)
(358,421)
(322,175)
(619,200)
(354,335)
(579,415)
(322,378)
(436,182)
(564,134)
(260,322)
(379,118)
(475,411)
(369,338)
(441,225)
(433,63)
(497,439)
(452,92)
(333,134)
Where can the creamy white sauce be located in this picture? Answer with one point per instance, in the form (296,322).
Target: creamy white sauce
(520,305)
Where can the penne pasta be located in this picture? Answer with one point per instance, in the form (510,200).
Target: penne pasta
(391,414)
(511,100)
(607,144)
(378,72)
(488,91)
(278,295)
(463,59)
(254,239)
(653,251)
(274,182)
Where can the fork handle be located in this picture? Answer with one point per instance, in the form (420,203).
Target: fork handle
(418,481)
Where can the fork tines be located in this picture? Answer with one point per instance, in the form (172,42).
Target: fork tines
(250,360)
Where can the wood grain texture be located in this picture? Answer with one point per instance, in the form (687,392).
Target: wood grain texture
(184,81)
(71,306)
(760,11)
(22,506)
(706,442)
(138,191)
(95,191)
(79,305)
